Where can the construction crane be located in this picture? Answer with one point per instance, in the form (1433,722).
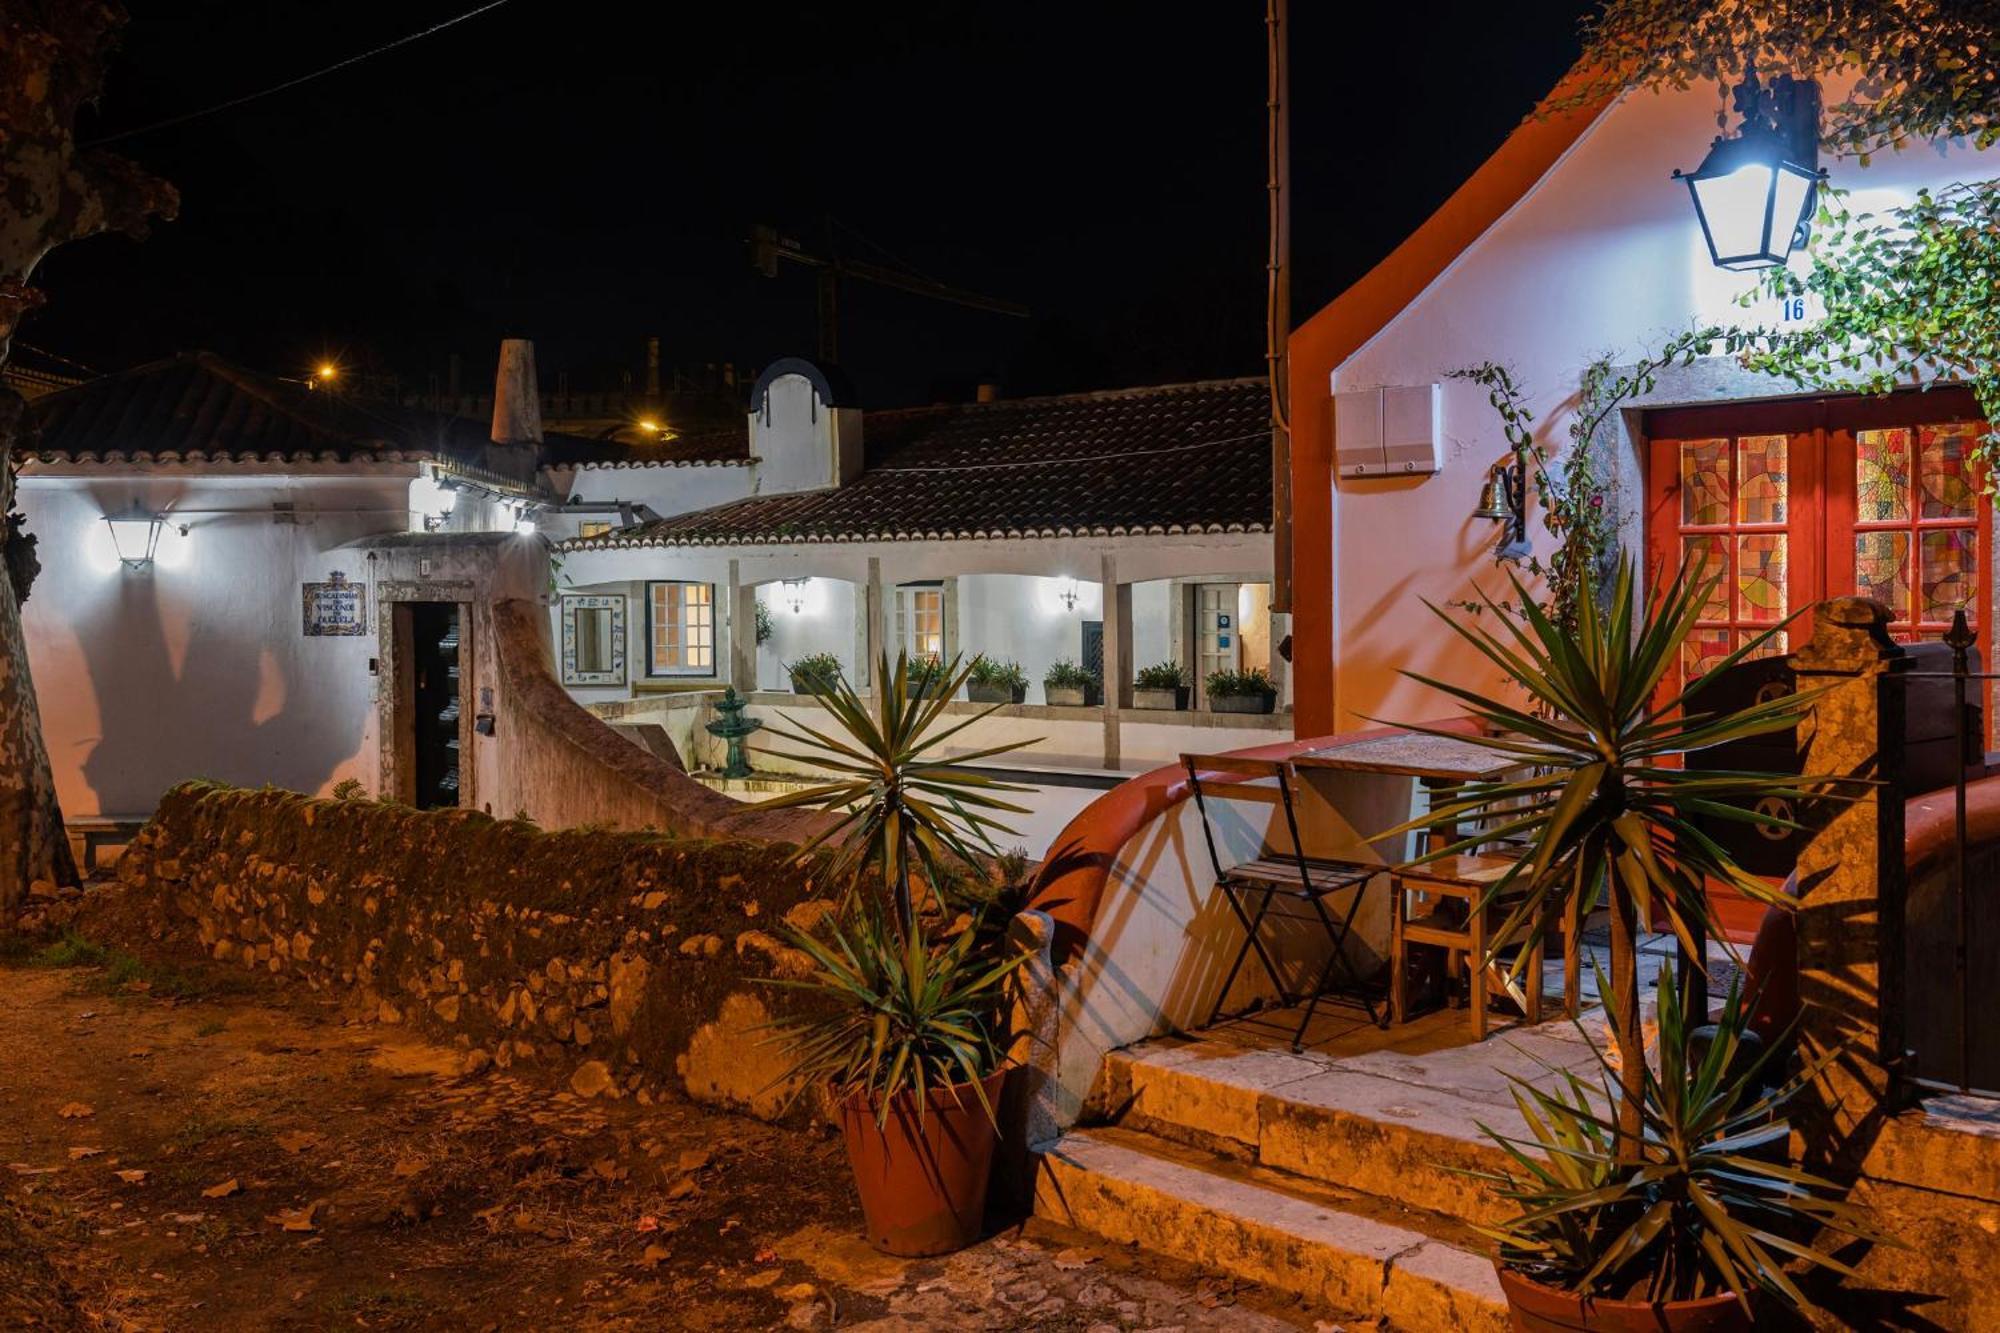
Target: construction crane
(769,250)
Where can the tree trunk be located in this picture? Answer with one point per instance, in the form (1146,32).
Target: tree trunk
(1627,1037)
(52,59)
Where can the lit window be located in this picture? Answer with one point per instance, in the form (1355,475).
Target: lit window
(920,619)
(681,629)
(593,527)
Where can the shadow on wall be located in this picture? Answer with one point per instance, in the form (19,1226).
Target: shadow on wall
(225,707)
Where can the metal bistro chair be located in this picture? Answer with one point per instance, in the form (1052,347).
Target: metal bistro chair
(1292,877)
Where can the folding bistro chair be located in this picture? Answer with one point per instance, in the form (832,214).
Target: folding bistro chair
(1292,878)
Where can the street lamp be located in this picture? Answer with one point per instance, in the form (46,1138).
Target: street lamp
(1754,193)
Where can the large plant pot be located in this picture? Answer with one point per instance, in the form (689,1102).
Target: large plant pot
(1173,699)
(995,694)
(1540,1309)
(923,1187)
(1066,696)
(810,684)
(1242,703)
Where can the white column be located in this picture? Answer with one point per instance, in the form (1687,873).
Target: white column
(1117,604)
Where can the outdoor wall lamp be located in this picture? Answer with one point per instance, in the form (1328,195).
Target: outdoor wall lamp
(434,500)
(795,594)
(135,535)
(1754,193)
(1504,499)
(1066,594)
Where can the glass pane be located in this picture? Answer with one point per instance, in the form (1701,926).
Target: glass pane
(1948,573)
(1708,558)
(1944,455)
(1761,481)
(1774,646)
(1705,482)
(1760,577)
(1882,475)
(1882,570)
(1701,650)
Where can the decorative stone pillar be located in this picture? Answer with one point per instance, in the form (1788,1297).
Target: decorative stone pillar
(742,632)
(1117,612)
(1850,914)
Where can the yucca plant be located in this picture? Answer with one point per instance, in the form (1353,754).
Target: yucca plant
(900,1012)
(1606,810)
(899,803)
(1702,1209)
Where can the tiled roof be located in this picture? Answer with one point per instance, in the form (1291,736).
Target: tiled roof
(727,447)
(198,407)
(1173,459)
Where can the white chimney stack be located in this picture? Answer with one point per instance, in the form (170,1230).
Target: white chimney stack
(517,396)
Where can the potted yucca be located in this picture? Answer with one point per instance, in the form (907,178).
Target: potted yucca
(814,673)
(1161,685)
(905,1019)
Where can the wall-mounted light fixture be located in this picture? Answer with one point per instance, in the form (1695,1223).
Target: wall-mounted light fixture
(1066,593)
(1504,500)
(433,500)
(135,535)
(1754,194)
(795,594)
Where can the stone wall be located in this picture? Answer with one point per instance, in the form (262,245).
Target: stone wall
(624,963)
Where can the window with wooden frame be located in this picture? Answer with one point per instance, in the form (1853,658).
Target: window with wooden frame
(1795,502)
(593,527)
(920,619)
(680,629)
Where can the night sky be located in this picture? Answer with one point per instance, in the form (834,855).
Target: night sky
(586,173)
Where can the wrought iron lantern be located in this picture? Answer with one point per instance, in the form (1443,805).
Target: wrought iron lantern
(1066,593)
(1754,194)
(795,594)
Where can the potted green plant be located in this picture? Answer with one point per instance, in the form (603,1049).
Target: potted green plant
(1162,685)
(996,682)
(927,677)
(1610,814)
(1693,1231)
(1067,685)
(814,673)
(904,1024)
(1241,691)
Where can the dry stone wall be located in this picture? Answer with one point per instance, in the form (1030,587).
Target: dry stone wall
(624,963)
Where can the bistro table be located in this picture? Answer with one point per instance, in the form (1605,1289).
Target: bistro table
(1442,764)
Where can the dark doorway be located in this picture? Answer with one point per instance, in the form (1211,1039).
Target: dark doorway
(434,630)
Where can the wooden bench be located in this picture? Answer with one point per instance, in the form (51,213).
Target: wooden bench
(88,833)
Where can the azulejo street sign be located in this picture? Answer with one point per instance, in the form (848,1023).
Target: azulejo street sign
(335,607)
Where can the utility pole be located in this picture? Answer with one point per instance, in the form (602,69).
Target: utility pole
(1278,298)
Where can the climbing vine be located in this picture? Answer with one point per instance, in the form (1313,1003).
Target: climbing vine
(1575,489)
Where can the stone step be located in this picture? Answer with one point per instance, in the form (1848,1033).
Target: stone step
(1352,1254)
(1404,1127)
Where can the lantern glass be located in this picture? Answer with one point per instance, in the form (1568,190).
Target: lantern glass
(135,535)
(1751,201)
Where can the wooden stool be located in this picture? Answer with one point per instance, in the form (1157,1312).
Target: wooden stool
(1463,879)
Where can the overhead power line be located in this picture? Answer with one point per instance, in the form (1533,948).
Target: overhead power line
(337,65)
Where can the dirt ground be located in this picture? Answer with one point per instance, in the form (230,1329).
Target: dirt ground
(185,1148)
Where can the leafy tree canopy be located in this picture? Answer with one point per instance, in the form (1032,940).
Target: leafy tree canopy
(1903,70)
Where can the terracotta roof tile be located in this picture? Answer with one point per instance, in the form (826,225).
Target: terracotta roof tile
(1171,459)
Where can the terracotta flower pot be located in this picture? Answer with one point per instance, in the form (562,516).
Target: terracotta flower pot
(1540,1309)
(923,1187)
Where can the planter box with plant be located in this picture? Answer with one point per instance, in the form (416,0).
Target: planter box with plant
(1067,685)
(815,674)
(992,682)
(1669,1191)
(1162,685)
(905,1024)
(1241,691)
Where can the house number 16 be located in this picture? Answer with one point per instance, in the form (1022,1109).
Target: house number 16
(1795,308)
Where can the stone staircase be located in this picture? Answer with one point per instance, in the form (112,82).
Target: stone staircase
(1337,1178)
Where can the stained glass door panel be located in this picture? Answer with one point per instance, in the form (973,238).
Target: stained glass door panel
(1913,522)
(1730,515)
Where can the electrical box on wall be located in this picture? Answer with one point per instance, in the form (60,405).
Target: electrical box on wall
(1389,431)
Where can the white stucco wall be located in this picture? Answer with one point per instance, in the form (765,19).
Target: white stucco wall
(667,490)
(1602,257)
(198,666)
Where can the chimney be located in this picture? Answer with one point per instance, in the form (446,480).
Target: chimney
(652,369)
(988,393)
(517,404)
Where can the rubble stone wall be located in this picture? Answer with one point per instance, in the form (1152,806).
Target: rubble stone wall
(625,963)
